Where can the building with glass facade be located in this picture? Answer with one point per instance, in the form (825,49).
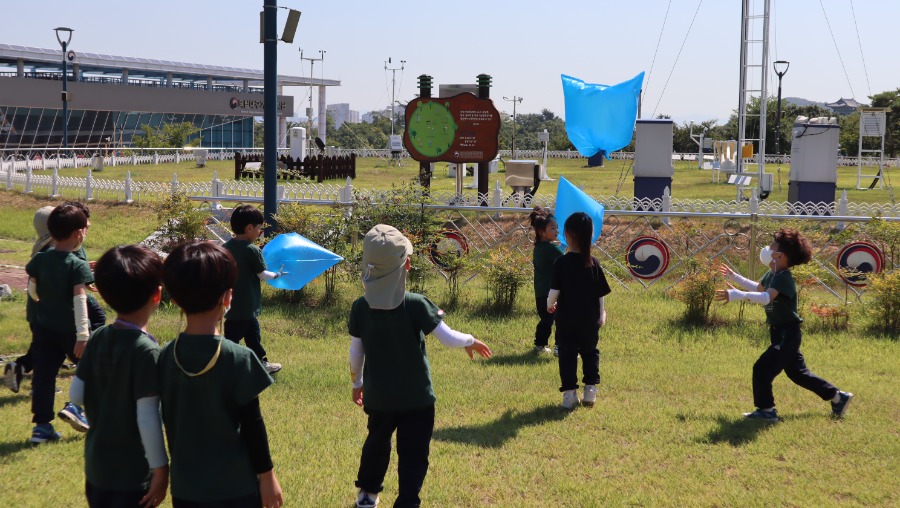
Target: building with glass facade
(112,99)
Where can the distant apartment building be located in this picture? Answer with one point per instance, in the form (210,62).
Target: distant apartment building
(341,113)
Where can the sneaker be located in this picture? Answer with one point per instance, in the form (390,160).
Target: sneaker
(556,351)
(74,416)
(12,375)
(271,367)
(590,395)
(541,350)
(570,399)
(43,433)
(838,408)
(766,415)
(366,499)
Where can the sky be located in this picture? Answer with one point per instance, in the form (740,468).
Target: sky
(690,49)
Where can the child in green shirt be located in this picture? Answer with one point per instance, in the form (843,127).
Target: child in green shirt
(545,254)
(209,388)
(117,380)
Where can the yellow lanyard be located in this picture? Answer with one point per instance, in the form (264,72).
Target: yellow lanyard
(209,366)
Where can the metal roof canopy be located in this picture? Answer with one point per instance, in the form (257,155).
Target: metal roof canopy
(98,63)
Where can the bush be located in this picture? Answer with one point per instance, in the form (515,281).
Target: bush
(179,221)
(831,317)
(505,274)
(697,290)
(885,307)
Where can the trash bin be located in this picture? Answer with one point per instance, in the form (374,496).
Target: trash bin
(97,162)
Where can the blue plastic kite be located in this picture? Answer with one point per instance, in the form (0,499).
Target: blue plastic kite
(601,117)
(571,199)
(301,259)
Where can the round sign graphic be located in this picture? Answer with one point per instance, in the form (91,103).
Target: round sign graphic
(71,56)
(431,128)
(451,243)
(858,259)
(233,103)
(647,257)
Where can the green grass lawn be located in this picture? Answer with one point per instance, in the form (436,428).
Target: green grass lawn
(667,429)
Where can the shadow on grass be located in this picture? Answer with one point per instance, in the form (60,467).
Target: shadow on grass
(8,400)
(495,434)
(736,431)
(14,447)
(527,358)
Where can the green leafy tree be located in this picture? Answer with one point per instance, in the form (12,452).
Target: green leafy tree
(890,99)
(170,135)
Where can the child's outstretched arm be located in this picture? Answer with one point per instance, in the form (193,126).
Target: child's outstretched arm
(602,321)
(150,428)
(453,339)
(357,359)
(736,295)
(736,278)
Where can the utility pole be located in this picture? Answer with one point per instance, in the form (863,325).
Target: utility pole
(393,90)
(309,110)
(514,100)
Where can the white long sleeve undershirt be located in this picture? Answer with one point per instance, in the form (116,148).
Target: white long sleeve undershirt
(760,297)
(267,275)
(740,280)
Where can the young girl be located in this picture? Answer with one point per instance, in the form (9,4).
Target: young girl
(209,388)
(777,292)
(576,297)
(545,254)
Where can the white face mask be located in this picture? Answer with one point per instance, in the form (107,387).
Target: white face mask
(765,256)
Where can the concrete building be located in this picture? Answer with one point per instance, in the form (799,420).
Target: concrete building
(341,113)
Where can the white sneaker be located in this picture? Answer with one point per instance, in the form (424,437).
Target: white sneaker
(366,500)
(570,399)
(272,367)
(590,395)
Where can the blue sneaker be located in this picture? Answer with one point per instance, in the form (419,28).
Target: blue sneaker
(43,433)
(765,415)
(838,408)
(74,416)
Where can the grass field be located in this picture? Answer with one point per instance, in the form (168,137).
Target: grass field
(667,429)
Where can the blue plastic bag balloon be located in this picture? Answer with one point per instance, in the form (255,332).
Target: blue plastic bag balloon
(571,199)
(301,260)
(601,117)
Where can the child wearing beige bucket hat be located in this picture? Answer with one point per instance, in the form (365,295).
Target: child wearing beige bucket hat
(387,327)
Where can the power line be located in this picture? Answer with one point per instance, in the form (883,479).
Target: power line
(678,56)
(658,41)
(836,49)
(859,41)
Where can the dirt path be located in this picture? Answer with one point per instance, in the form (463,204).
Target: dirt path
(14,276)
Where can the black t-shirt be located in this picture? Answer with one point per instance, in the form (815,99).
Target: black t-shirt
(580,288)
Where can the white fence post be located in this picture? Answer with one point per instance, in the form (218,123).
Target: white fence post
(155,157)
(498,194)
(9,173)
(754,203)
(89,186)
(843,210)
(347,191)
(27,179)
(280,194)
(666,205)
(214,191)
(44,163)
(54,184)
(134,158)
(128,192)
(112,159)
(174,184)
(177,156)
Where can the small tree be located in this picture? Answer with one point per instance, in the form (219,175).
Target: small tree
(697,290)
(885,290)
(179,221)
(505,274)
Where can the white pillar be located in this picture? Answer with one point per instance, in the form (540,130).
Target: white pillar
(169,77)
(20,68)
(124,76)
(322,114)
(209,82)
(215,190)
(89,186)
(54,184)
(27,179)
(246,85)
(128,192)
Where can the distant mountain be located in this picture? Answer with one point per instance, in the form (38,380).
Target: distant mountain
(798,101)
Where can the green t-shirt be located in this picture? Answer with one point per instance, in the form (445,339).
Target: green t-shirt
(29,303)
(396,373)
(246,303)
(57,272)
(545,254)
(783,309)
(209,460)
(118,368)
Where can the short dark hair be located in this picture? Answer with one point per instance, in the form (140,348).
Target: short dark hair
(794,245)
(580,228)
(244,216)
(81,206)
(197,274)
(64,220)
(127,277)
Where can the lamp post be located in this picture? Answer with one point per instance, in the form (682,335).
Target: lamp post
(514,100)
(781,68)
(65,76)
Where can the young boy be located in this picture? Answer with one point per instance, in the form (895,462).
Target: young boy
(777,292)
(61,325)
(117,380)
(210,389)
(241,321)
(387,339)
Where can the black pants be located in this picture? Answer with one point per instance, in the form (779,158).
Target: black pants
(572,343)
(252,501)
(96,318)
(545,323)
(104,498)
(49,349)
(414,429)
(247,329)
(784,355)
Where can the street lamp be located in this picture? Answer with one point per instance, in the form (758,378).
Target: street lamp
(514,100)
(65,76)
(781,68)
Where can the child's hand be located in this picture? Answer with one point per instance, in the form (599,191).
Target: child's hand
(91,287)
(270,490)
(80,346)
(722,295)
(159,482)
(551,309)
(480,348)
(725,270)
(92,264)
(357,396)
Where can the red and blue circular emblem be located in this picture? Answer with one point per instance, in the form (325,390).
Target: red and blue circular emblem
(858,259)
(647,257)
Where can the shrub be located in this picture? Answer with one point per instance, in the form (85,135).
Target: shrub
(505,274)
(831,317)
(697,290)
(179,221)
(885,307)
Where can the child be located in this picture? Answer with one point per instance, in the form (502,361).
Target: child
(777,292)
(15,370)
(387,339)
(117,379)
(545,253)
(60,324)
(241,321)
(209,388)
(576,297)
